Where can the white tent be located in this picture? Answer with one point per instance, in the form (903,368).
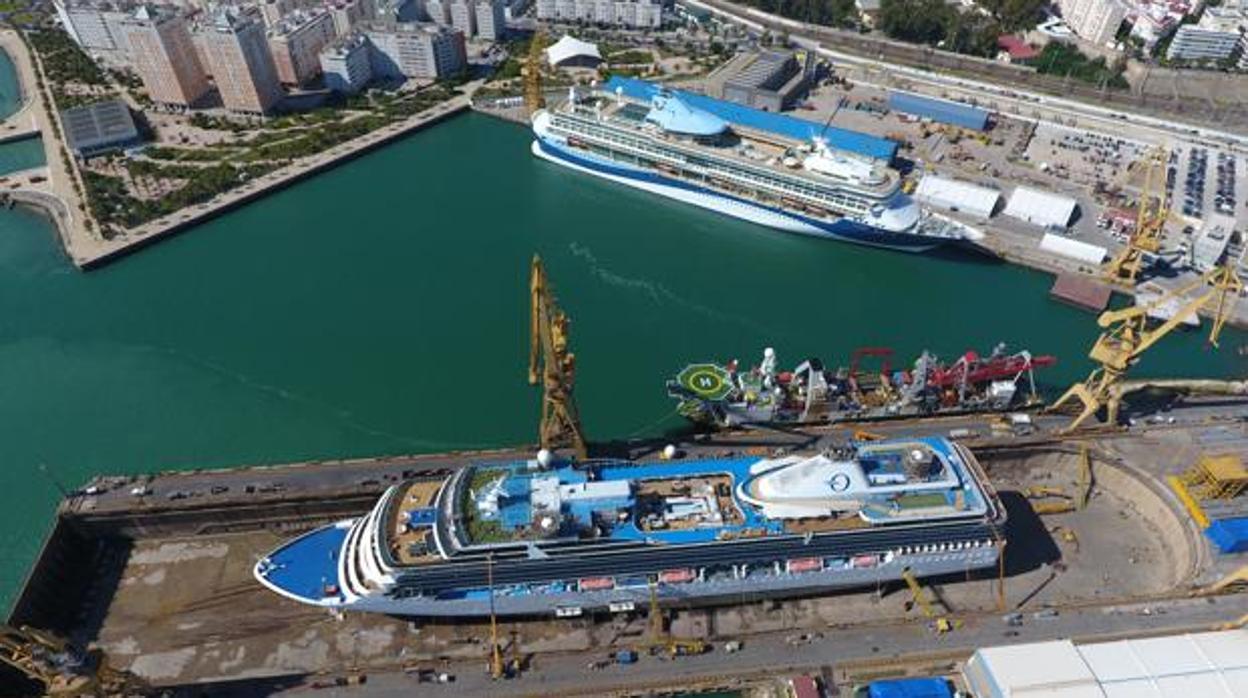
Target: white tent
(1040,207)
(569,48)
(952,195)
(1082,251)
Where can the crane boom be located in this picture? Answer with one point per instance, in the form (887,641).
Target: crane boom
(1127,335)
(1150,221)
(553,365)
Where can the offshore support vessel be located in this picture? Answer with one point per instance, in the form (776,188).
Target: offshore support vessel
(543,537)
(723,396)
(769,169)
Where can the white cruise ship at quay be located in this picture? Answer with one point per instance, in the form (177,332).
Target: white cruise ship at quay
(740,162)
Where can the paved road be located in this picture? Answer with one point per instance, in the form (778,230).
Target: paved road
(774,655)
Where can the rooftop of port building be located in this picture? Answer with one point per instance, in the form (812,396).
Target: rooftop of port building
(781,124)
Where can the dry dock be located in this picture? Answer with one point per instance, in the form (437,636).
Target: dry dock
(162,580)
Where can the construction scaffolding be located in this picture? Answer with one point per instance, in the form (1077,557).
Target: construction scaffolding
(1217,477)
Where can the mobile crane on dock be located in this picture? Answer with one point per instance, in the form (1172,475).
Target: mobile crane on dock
(661,639)
(1128,335)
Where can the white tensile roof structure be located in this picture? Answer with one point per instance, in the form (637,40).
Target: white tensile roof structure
(1082,251)
(953,195)
(1209,665)
(570,47)
(1040,207)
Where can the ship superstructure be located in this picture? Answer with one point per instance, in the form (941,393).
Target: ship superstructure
(666,146)
(566,538)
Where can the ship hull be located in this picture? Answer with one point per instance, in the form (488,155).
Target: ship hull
(844,230)
(759,583)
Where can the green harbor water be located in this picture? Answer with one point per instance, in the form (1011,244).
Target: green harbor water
(10,89)
(21,155)
(381,308)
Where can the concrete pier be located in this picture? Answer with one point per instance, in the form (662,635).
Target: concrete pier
(104,251)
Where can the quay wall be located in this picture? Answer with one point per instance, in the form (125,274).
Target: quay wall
(19,136)
(82,550)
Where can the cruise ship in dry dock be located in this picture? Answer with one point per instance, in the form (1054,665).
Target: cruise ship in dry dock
(564,538)
(769,169)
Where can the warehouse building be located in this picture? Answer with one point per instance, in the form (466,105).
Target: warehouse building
(762,123)
(1212,241)
(957,197)
(1209,665)
(99,128)
(1041,208)
(939,110)
(772,81)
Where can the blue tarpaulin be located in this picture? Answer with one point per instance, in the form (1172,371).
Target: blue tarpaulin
(1230,535)
(759,120)
(910,688)
(939,110)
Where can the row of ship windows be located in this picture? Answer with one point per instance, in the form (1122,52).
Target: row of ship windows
(730,169)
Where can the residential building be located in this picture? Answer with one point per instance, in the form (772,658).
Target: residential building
(416,51)
(164,56)
(296,44)
(274,10)
(99,128)
(464,17)
(625,13)
(240,62)
(1218,35)
(491,19)
(439,11)
(1195,43)
(516,8)
(868,11)
(347,64)
(347,15)
(95,26)
(1095,21)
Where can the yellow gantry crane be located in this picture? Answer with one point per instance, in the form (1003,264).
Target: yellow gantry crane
(551,363)
(1127,335)
(61,669)
(532,72)
(1151,217)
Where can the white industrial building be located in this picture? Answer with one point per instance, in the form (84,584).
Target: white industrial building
(1041,207)
(1204,665)
(959,197)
